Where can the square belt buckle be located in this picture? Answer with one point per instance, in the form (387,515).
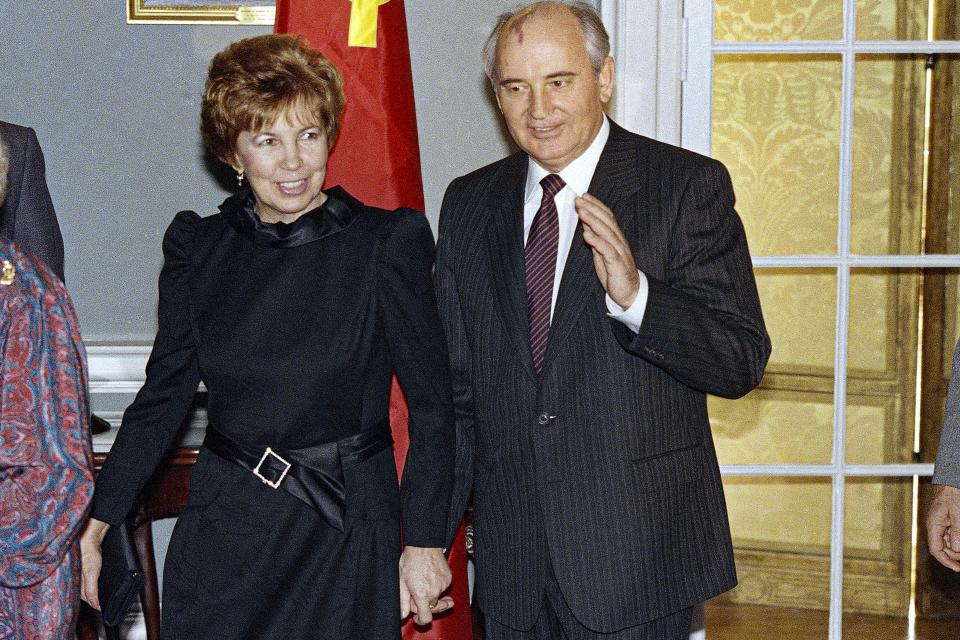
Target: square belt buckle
(273,484)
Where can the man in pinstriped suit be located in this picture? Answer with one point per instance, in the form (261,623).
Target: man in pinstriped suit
(580,386)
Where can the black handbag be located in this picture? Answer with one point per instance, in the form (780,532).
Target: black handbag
(121,577)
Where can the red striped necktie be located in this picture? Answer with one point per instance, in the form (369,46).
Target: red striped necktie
(540,256)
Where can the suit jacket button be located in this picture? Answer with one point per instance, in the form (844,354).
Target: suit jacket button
(543,419)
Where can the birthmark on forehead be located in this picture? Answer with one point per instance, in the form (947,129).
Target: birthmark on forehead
(519,31)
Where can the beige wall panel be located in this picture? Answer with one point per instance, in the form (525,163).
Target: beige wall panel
(777,128)
(747,20)
(779,514)
(799,307)
(770,426)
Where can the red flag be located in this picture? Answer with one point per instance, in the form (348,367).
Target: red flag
(376,158)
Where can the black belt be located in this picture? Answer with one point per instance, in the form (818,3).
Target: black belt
(311,474)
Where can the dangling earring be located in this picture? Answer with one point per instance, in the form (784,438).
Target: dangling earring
(240,178)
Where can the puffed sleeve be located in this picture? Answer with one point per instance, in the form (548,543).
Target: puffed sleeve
(419,355)
(46,466)
(151,423)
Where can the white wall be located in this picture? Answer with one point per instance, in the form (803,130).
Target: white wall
(116,109)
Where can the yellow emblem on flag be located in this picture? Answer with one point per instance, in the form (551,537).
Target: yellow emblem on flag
(363,23)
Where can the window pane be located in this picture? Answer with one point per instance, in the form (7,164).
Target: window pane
(905,19)
(799,308)
(877,553)
(774,424)
(776,126)
(789,417)
(882,358)
(884,352)
(765,20)
(781,534)
(890,143)
(878,569)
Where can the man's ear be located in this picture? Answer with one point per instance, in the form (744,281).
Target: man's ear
(605,80)
(496,94)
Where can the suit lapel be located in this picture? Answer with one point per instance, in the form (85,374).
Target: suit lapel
(505,246)
(614,181)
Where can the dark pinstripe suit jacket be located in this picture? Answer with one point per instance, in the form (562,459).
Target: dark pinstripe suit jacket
(27,217)
(604,464)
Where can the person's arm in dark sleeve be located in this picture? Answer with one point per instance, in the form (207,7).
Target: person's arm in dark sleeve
(448,303)
(419,355)
(702,322)
(152,421)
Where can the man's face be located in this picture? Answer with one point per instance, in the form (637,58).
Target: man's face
(551,99)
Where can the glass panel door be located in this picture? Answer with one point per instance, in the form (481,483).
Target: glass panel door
(839,121)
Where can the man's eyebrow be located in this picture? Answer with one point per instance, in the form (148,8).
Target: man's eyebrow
(550,76)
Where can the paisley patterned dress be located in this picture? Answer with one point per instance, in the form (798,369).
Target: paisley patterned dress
(46,477)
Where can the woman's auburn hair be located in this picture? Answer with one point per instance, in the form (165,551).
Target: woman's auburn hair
(255,81)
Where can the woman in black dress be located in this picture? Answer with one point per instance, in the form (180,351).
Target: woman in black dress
(294,306)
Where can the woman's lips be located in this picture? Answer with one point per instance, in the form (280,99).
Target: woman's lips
(293,188)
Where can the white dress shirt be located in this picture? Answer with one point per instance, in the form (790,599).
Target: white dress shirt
(577,176)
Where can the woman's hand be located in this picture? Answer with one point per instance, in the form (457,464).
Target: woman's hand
(90,560)
(424,575)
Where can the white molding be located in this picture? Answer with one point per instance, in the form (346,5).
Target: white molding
(646,38)
(838,46)
(697,93)
(671,69)
(856,261)
(788,470)
(117,368)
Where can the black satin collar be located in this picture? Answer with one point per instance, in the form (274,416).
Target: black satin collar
(335,214)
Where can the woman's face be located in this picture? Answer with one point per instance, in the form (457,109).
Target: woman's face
(285,164)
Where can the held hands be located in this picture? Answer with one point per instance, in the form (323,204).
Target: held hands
(612,258)
(943,526)
(424,575)
(91,560)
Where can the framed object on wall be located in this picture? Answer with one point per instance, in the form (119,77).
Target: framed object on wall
(247,12)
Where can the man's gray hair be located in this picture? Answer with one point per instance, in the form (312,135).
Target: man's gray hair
(4,166)
(594,33)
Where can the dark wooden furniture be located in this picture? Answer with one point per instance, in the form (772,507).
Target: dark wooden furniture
(165,496)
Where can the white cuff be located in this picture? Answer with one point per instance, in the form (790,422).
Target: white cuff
(632,316)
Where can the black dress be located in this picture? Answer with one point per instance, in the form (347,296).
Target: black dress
(295,331)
